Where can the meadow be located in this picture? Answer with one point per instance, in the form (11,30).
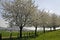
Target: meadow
(53,35)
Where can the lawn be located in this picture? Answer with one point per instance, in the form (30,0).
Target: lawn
(54,35)
(7,34)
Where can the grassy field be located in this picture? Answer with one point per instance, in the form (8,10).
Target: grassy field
(54,35)
(7,34)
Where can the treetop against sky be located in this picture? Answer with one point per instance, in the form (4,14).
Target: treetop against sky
(49,5)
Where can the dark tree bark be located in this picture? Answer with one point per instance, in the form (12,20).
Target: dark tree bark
(43,29)
(54,28)
(10,35)
(35,30)
(21,32)
(0,36)
(50,28)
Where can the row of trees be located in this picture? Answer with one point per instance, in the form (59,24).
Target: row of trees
(46,20)
(23,13)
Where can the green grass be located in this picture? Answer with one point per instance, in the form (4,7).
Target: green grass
(7,34)
(54,35)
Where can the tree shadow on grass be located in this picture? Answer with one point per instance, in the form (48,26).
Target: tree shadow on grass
(28,37)
(9,39)
(23,38)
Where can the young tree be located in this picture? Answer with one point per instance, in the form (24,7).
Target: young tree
(10,25)
(35,21)
(19,12)
(58,21)
(49,25)
(44,19)
(54,21)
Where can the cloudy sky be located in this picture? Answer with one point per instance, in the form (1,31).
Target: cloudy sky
(51,5)
(3,23)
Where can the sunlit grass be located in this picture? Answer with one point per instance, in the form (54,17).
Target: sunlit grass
(54,35)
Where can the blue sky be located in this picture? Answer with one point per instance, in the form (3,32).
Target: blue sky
(51,5)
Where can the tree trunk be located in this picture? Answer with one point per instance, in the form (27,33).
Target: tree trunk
(50,28)
(10,35)
(21,32)
(43,29)
(35,31)
(0,36)
(54,28)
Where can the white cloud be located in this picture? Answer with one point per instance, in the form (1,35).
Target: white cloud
(3,23)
